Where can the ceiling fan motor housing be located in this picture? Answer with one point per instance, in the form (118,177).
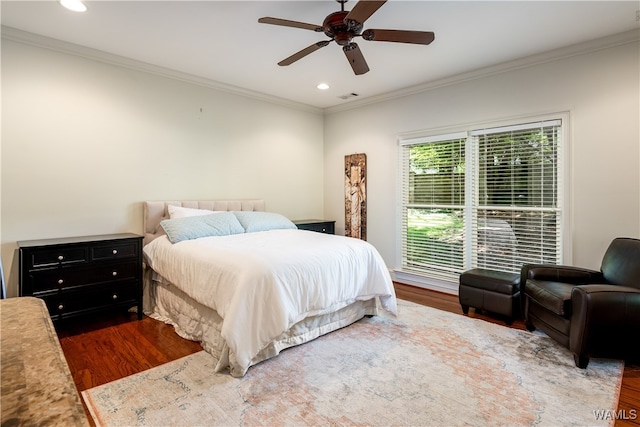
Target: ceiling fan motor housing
(342,32)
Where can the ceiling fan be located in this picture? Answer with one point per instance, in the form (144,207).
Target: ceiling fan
(343,26)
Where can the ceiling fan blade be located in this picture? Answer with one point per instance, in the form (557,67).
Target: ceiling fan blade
(304,52)
(363,10)
(355,58)
(399,36)
(287,23)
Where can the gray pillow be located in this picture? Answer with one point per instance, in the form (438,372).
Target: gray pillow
(253,221)
(193,227)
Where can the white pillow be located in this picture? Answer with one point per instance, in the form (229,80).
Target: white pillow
(180,212)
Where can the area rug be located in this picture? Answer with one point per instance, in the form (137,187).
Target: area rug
(424,368)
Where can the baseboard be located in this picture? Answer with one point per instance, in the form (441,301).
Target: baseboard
(425,282)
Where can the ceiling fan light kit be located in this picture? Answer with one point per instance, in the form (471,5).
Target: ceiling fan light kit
(343,26)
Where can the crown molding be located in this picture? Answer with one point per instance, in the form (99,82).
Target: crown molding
(632,36)
(9,33)
(25,37)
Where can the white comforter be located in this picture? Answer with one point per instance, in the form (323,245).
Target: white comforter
(263,283)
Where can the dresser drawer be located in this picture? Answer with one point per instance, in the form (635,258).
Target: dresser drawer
(57,278)
(319,226)
(114,251)
(57,256)
(80,301)
(65,278)
(121,271)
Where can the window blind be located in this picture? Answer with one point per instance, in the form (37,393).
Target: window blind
(488,198)
(516,196)
(434,205)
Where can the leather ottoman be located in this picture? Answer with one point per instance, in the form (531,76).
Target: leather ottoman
(491,290)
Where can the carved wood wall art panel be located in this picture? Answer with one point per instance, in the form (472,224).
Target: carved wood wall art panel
(355,195)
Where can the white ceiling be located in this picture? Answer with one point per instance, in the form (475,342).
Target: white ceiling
(222,41)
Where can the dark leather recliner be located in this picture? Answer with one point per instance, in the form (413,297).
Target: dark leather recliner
(593,313)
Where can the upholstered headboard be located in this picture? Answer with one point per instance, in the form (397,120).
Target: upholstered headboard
(156,211)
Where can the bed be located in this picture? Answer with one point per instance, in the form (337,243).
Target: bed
(247,283)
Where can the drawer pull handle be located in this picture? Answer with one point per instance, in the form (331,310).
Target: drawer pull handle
(114,297)
(115,252)
(61,307)
(60,281)
(114,274)
(60,257)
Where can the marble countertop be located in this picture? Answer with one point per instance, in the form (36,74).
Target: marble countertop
(37,387)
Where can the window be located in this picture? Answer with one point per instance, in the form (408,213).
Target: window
(489,198)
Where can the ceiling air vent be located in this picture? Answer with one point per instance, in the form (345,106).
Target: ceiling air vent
(349,95)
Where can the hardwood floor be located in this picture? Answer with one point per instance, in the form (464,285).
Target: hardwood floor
(116,346)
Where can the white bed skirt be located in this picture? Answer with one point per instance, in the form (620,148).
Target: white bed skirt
(196,322)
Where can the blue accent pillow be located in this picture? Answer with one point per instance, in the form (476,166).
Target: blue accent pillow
(253,221)
(193,227)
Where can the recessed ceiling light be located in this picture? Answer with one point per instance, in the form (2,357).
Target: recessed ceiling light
(75,5)
(323,86)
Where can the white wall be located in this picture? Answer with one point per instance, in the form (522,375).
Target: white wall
(601,91)
(85,142)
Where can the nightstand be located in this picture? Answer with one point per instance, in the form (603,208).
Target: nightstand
(82,275)
(319,225)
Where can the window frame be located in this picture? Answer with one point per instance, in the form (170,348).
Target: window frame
(436,134)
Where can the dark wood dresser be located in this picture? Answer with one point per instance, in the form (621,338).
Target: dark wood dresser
(82,275)
(319,225)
